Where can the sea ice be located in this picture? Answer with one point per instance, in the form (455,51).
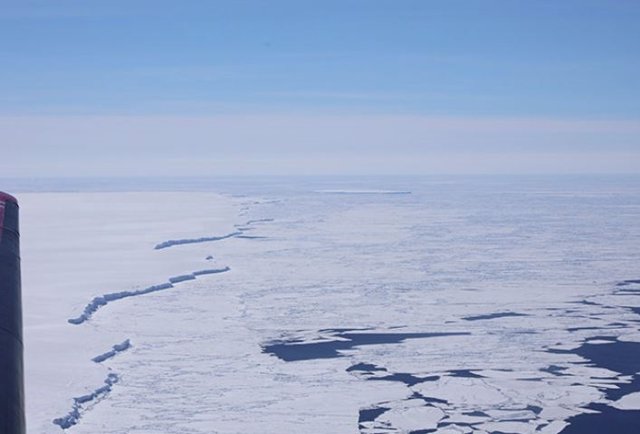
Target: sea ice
(461,307)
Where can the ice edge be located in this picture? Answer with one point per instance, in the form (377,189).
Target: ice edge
(117,348)
(105,299)
(72,418)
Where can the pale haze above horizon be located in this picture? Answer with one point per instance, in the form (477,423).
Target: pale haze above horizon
(420,87)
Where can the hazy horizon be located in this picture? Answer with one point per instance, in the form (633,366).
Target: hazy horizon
(229,88)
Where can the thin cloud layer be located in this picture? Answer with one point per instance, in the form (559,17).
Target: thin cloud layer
(303,144)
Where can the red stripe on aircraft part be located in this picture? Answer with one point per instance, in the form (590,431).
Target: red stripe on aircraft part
(6,197)
(1,218)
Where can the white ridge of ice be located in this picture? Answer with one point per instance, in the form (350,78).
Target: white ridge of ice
(170,243)
(80,402)
(238,233)
(251,222)
(364,191)
(117,348)
(105,299)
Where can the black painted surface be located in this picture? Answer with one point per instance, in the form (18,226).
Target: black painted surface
(12,420)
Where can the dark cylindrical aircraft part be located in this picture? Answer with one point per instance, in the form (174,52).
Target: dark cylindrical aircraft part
(11,366)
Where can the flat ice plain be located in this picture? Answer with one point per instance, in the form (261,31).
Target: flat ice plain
(462,305)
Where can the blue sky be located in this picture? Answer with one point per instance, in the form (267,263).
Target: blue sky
(455,86)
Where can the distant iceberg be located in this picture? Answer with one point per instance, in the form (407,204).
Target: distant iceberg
(363,191)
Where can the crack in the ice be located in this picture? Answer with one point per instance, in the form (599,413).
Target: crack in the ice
(117,348)
(239,233)
(254,221)
(170,243)
(105,299)
(80,403)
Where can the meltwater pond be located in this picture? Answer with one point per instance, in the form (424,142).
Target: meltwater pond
(335,305)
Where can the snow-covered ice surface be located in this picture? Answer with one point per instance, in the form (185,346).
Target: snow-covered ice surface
(485,305)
